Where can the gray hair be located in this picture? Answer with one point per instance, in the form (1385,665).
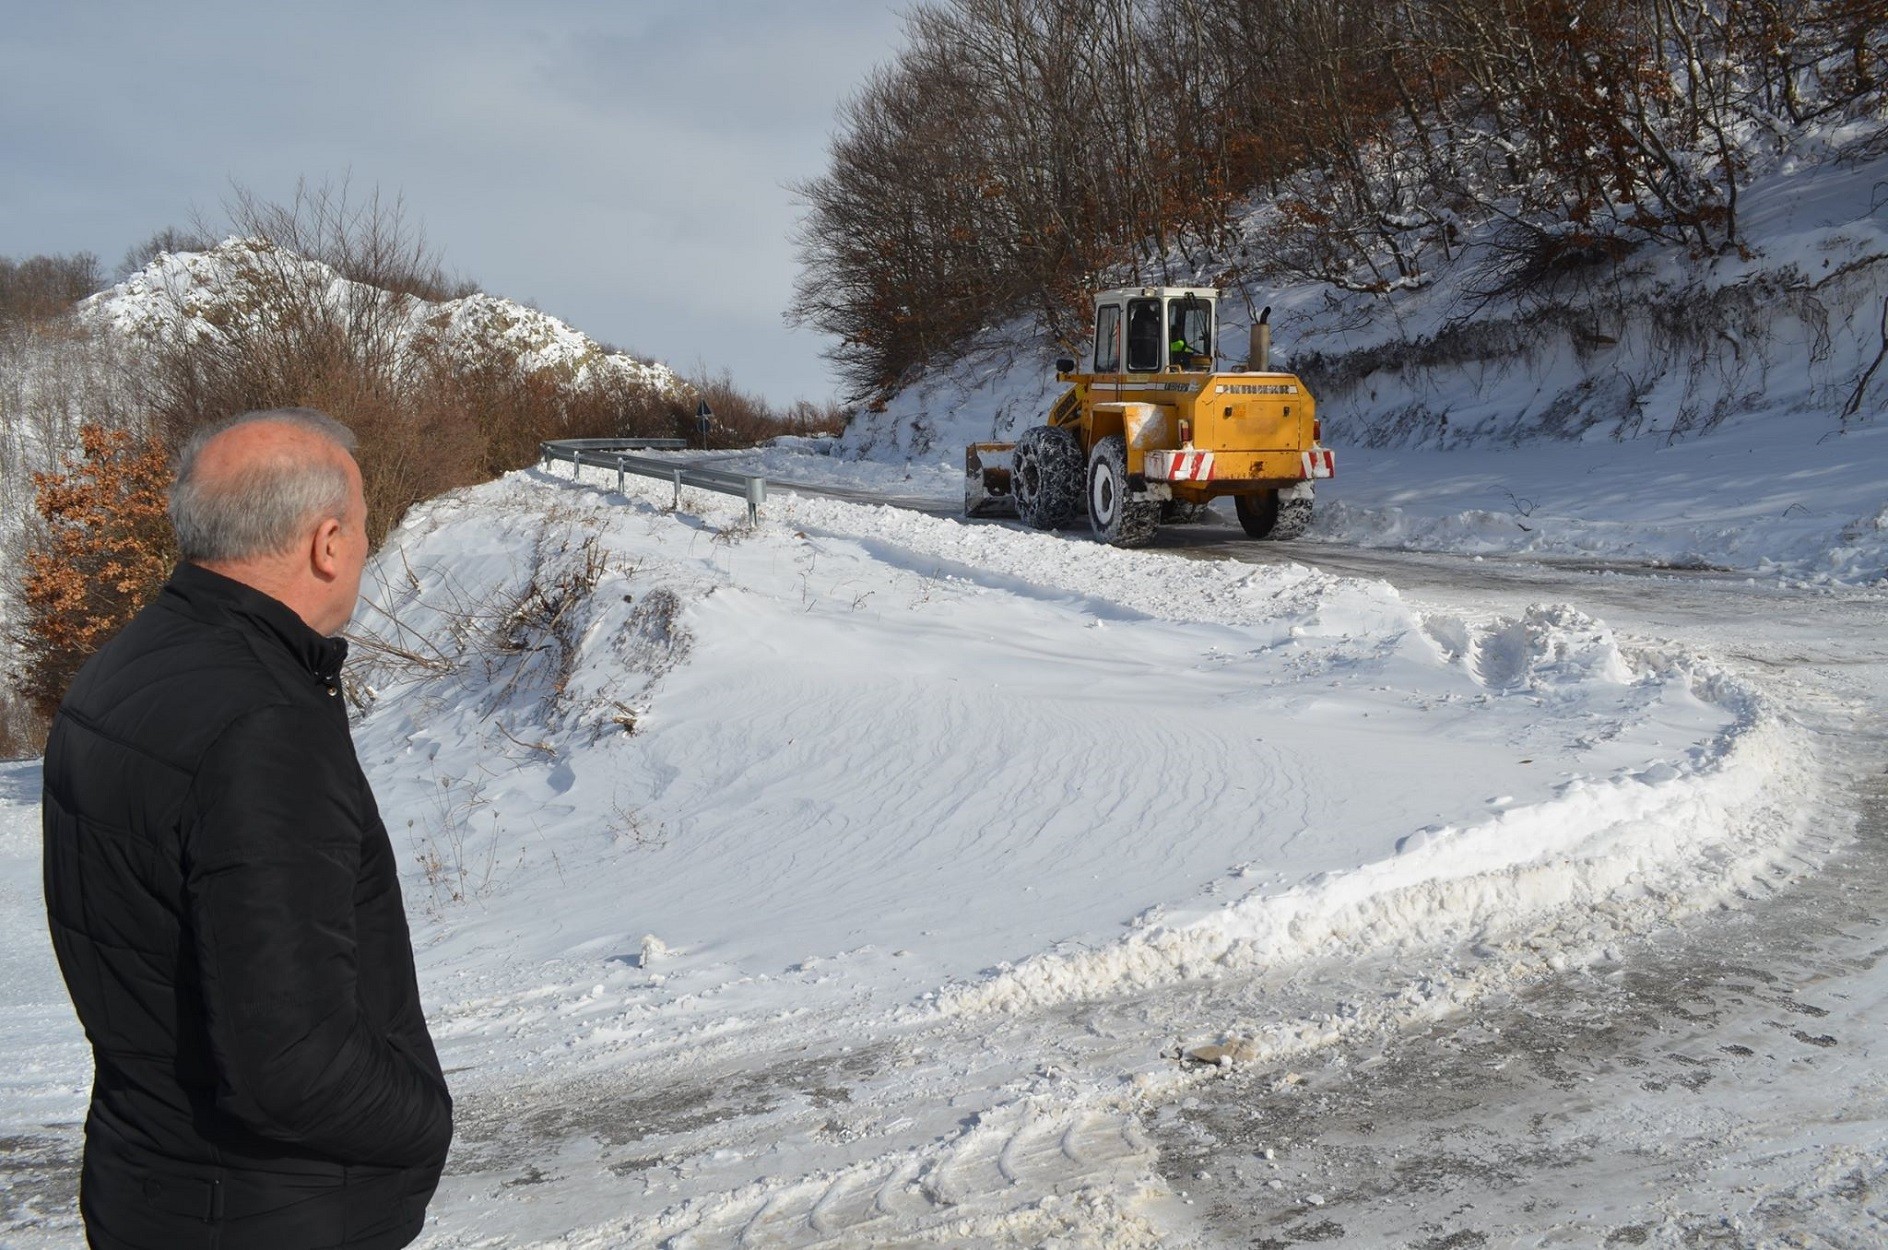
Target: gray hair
(263,508)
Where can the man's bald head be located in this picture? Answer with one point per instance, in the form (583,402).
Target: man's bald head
(252,487)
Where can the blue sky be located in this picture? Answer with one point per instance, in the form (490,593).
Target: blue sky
(623,166)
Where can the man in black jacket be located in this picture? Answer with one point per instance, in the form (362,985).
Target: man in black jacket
(221,890)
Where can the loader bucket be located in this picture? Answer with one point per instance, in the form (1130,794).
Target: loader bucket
(987,480)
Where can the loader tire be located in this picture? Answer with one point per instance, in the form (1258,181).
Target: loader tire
(1046,477)
(1115,518)
(1265,515)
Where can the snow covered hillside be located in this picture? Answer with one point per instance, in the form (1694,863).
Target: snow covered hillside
(198,295)
(755,872)
(100,367)
(1724,414)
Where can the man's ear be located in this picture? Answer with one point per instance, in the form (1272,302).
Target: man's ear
(325,549)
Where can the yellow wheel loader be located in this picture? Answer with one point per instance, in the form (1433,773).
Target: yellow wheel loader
(1151,430)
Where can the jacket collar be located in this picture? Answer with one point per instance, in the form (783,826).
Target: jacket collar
(207,596)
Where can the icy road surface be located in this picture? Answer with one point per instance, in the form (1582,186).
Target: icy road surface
(873,879)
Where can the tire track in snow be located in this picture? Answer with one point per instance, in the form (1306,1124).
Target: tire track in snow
(990,1182)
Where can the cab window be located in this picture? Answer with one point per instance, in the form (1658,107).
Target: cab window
(1190,323)
(1144,345)
(1108,339)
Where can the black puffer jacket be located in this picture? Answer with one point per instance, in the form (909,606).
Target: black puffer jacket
(225,908)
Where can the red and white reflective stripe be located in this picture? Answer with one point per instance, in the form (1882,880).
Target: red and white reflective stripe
(1320,464)
(1180,466)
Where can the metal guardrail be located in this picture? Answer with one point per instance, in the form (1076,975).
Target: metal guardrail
(613,453)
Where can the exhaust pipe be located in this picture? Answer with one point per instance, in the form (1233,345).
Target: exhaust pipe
(1259,357)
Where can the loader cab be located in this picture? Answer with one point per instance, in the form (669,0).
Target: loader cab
(1154,329)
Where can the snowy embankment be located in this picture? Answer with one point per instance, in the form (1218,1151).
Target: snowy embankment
(673,795)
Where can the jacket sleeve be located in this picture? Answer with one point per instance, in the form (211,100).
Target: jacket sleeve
(272,849)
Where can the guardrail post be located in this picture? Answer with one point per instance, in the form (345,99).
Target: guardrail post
(619,475)
(678,490)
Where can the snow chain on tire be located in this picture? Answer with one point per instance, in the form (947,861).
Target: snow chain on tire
(1046,477)
(1294,518)
(1115,518)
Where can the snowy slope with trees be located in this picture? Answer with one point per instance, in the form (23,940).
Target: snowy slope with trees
(442,387)
(1720,414)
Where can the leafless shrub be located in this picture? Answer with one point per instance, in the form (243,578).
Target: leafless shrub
(743,419)
(1533,263)
(55,377)
(628,827)
(652,640)
(514,408)
(455,843)
(22,727)
(366,238)
(283,338)
(540,628)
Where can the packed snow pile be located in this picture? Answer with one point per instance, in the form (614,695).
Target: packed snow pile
(199,295)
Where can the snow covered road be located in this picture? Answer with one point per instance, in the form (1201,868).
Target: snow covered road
(1049,1124)
(1721,1082)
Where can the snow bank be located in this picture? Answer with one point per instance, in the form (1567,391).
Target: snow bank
(1761,498)
(1626,853)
